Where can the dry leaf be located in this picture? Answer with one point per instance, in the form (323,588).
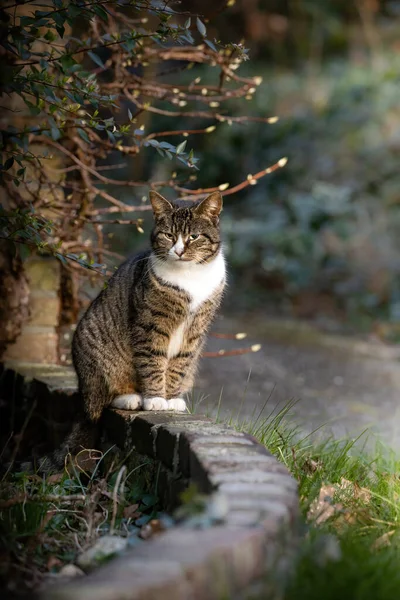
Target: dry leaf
(310,465)
(153,527)
(322,508)
(131,512)
(358,492)
(55,478)
(383,540)
(52,562)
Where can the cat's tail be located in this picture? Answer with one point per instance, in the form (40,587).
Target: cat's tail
(84,436)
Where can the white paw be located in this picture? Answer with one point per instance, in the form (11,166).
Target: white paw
(177,404)
(128,402)
(156,403)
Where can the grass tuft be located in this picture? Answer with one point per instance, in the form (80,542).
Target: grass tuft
(350,502)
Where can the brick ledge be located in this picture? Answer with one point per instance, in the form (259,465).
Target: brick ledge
(256,540)
(257,537)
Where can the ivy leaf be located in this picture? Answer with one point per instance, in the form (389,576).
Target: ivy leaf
(96,59)
(181,147)
(201,27)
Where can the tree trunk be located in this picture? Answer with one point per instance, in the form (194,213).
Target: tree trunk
(14,295)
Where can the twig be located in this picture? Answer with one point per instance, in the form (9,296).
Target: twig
(219,353)
(22,498)
(19,438)
(251,180)
(115,498)
(229,336)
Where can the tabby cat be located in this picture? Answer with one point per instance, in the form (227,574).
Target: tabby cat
(138,344)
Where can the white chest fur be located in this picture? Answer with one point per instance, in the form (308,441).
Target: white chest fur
(199,281)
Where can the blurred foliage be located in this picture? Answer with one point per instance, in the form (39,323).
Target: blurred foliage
(321,235)
(330,221)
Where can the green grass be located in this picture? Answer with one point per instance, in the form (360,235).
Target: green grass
(354,553)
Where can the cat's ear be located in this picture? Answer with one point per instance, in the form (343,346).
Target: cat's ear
(160,204)
(210,207)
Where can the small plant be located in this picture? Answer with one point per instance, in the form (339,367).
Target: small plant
(48,522)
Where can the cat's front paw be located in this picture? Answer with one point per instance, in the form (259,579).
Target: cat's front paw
(127,402)
(156,403)
(177,404)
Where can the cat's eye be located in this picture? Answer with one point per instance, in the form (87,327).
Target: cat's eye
(194,236)
(169,236)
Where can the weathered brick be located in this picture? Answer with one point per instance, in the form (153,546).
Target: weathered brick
(232,452)
(253,476)
(265,506)
(43,273)
(142,435)
(117,425)
(122,580)
(260,490)
(167,442)
(35,345)
(44,310)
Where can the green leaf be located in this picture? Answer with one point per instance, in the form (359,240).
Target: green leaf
(82,133)
(74,11)
(130,115)
(60,30)
(149,500)
(24,251)
(9,163)
(67,62)
(210,45)
(201,27)
(96,59)
(100,12)
(181,147)
(188,23)
(50,36)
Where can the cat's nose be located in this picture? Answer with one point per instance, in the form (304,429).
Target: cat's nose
(179,251)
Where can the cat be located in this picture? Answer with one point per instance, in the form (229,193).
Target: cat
(139,342)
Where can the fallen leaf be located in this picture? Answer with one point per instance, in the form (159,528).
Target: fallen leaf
(310,465)
(131,512)
(53,562)
(383,540)
(55,478)
(322,508)
(357,492)
(151,528)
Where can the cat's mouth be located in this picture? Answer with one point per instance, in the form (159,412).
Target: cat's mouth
(180,259)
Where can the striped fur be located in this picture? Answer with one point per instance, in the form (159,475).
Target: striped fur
(139,342)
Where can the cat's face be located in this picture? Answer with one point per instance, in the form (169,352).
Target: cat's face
(184,234)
